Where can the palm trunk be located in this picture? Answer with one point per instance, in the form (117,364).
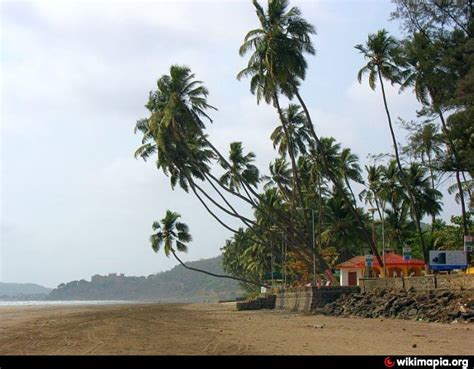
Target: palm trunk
(350,190)
(296,180)
(260,284)
(463,204)
(212,213)
(336,182)
(402,174)
(233,213)
(452,147)
(433,217)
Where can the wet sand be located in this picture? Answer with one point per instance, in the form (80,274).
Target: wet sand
(156,329)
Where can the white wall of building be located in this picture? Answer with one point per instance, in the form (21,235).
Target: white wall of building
(344,277)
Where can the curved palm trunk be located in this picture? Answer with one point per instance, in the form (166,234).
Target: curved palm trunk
(193,188)
(458,179)
(336,182)
(260,284)
(415,211)
(248,222)
(214,215)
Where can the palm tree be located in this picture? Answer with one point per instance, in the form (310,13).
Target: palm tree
(280,176)
(277,60)
(428,198)
(279,44)
(423,143)
(241,170)
(381,51)
(342,230)
(278,65)
(174,132)
(433,84)
(350,169)
(297,132)
(173,236)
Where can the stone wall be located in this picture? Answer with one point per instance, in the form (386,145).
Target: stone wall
(424,283)
(306,299)
(455,282)
(262,302)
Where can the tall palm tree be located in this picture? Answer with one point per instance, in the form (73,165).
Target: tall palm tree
(381,51)
(277,59)
(432,84)
(278,47)
(278,65)
(173,236)
(424,143)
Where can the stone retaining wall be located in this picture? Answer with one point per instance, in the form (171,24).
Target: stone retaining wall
(424,283)
(297,299)
(263,302)
(306,299)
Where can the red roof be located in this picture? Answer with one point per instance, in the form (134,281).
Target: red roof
(391,259)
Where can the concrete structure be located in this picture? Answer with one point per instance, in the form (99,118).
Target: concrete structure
(297,299)
(307,299)
(354,269)
(453,282)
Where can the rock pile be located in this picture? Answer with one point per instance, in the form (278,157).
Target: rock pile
(432,306)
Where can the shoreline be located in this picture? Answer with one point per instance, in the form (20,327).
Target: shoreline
(210,329)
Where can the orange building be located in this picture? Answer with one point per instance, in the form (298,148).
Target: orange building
(354,269)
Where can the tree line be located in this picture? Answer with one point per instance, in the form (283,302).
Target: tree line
(306,214)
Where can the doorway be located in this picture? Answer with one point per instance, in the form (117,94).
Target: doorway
(352,278)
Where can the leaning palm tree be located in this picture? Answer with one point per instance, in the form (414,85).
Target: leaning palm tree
(173,236)
(381,51)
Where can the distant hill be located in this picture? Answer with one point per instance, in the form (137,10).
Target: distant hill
(19,290)
(177,284)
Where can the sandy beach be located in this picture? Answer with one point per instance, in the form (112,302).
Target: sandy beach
(158,329)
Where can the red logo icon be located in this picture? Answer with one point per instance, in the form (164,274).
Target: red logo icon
(388,362)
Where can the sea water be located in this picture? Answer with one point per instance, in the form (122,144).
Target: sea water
(67,303)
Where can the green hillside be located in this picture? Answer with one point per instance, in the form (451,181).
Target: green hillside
(177,284)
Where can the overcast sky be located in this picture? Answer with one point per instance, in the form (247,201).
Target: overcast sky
(75,78)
